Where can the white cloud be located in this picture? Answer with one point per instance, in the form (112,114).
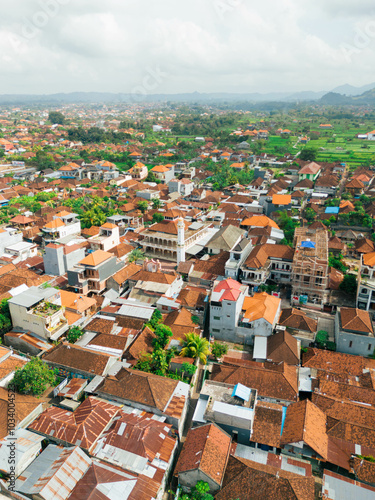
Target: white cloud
(204,45)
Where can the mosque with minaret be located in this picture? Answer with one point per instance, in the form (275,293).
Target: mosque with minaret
(175,238)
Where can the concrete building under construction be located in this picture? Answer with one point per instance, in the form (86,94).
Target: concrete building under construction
(310,279)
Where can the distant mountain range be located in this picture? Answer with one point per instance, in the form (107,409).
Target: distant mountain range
(345,94)
(365,99)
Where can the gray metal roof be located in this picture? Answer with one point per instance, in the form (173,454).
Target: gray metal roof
(32,296)
(136,311)
(344,489)
(55,470)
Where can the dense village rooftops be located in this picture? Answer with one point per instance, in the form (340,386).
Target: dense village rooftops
(336,362)
(82,427)
(267,481)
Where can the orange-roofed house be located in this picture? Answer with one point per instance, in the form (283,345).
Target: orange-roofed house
(63,224)
(371,136)
(71,171)
(226,303)
(258,221)
(139,171)
(259,314)
(204,457)
(310,171)
(354,331)
(164,173)
(278,202)
(90,275)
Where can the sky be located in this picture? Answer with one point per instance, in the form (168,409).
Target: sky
(174,46)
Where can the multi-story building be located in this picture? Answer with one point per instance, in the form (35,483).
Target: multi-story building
(38,310)
(139,171)
(366,283)
(63,224)
(9,236)
(238,255)
(265,262)
(58,258)
(90,275)
(161,240)
(310,279)
(108,237)
(164,173)
(226,303)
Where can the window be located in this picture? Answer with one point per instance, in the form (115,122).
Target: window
(351,343)
(369,347)
(217,318)
(215,330)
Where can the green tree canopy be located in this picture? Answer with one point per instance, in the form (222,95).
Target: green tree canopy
(218,349)
(136,254)
(74,334)
(349,284)
(34,377)
(163,334)
(308,154)
(56,117)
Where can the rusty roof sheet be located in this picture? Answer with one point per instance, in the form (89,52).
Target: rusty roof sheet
(54,473)
(139,434)
(81,427)
(106,482)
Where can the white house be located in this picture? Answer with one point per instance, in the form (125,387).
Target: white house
(226,303)
(63,224)
(108,237)
(37,310)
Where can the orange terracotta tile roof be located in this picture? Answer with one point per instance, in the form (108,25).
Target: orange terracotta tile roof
(259,221)
(281,199)
(356,320)
(54,224)
(96,258)
(261,305)
(75,301)
(306,422)
(206,449)
(369,259)
(81,427)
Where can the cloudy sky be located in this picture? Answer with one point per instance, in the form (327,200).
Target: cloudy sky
(172,46)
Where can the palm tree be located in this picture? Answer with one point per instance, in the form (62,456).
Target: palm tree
(194,346)
(136,254)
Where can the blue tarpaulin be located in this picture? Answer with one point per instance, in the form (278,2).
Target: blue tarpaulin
(332,210)
(308,244)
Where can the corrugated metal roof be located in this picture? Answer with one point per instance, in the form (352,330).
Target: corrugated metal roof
(54,473)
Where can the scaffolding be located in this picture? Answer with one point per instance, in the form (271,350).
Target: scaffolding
(310,276)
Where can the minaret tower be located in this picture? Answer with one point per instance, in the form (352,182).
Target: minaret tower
(180,240)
